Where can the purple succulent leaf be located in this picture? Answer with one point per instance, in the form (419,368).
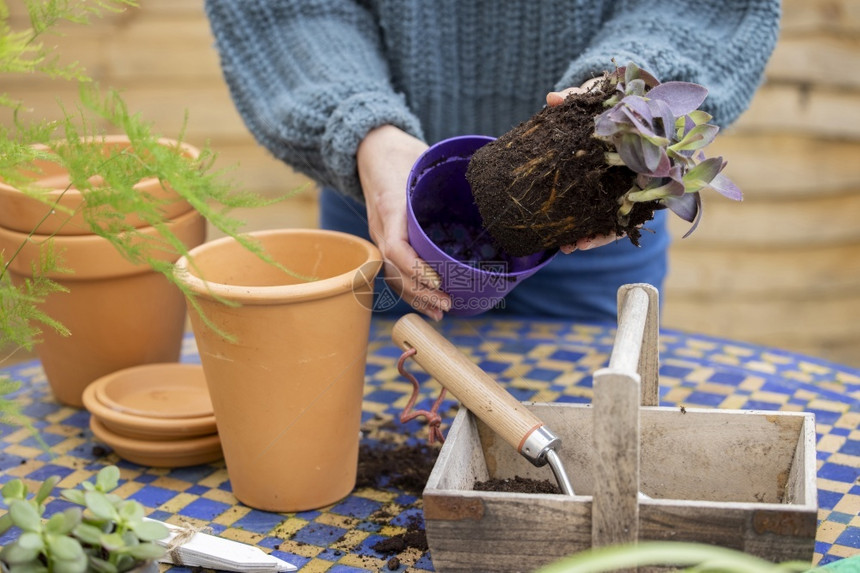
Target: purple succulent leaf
(638,106)
(668,189)
(629,147)
(685,206)
(664,167)
(604,126)
(660,111)
(726,187)
(701,175)
(631,72)
(682,97)
(698,117)
(636,87)
(697,138)
(637,73)
(699,210)
(653,155)
(676,172)
(643,127)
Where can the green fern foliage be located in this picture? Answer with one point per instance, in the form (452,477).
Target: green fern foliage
(105,175)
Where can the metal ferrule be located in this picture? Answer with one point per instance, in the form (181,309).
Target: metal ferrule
(535,446)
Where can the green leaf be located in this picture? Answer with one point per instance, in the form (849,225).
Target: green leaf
(46,488)
(101,566)
(107,478)
(150,530)
(697,138)
(15,554)
(25,516)
(74,495)
(702,174)
(64,522)
(131,510)
(699,117)
(65,548)
(89,534)
(146,551)
(101,507)
(112,541)
(78,565)
(31,541)
(34,567)
(125,562)
(14,489)
(5,523)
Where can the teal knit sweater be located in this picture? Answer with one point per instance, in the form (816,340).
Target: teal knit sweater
(311,77)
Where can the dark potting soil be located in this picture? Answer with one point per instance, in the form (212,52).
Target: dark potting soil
(545,183)
(468,244)
(517,484)
(405,467)
(413,538)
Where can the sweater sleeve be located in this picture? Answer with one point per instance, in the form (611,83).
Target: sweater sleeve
(723,45)
(309,80)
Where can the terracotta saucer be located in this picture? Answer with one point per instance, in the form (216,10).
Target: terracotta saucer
(160,453)
(145,428)
(166,390)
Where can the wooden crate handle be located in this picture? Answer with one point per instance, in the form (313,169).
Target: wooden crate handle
(466,381)
(637,340)
(630,379)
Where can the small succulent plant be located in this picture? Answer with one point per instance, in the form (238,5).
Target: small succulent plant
(600,163)
(658,132)
(107,535)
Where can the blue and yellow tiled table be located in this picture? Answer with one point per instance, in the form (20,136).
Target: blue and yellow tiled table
(545,361)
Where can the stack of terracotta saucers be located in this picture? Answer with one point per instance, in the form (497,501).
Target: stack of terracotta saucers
(155,415)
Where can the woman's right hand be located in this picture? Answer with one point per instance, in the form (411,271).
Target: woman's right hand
(385,156)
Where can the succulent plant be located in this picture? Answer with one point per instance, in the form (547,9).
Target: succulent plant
(600,163)
(107,535)
(657,131)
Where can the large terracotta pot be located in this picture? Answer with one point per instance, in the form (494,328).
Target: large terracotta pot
(119,314)
(287,384)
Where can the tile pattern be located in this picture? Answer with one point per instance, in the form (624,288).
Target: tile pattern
(548,361)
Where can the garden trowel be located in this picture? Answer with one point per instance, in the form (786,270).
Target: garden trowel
(482,395)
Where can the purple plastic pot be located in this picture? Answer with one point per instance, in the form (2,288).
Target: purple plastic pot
(446,230)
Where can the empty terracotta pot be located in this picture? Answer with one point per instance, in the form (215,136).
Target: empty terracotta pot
(119,314)
(285,360)
(21,212)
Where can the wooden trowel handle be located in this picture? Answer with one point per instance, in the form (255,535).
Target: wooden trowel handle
(466,381)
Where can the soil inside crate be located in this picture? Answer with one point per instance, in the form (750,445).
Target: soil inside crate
(517,484)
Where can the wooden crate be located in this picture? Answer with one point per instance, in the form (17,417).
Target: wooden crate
(733,478)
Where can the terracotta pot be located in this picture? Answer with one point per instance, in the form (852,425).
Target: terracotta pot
(21,212)
(120,314)
(287,390)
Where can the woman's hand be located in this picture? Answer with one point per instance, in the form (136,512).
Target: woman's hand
(385,157)
(556,98)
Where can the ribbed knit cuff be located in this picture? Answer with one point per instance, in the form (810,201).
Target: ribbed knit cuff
(350,122)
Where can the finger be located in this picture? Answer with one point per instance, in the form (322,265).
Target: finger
(421,284)
(567,249)
(598,241)
(557,98)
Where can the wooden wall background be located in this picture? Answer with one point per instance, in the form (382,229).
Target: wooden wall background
(782,268)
